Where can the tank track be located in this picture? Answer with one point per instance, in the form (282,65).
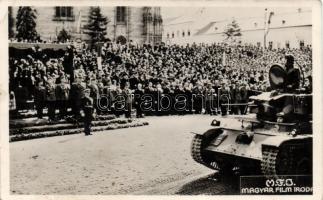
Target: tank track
(268,162)
(279,161)
(197,154)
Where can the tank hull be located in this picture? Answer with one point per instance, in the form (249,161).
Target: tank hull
(257,151)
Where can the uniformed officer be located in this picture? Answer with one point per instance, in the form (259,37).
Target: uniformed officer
(291,84)
(87,111)
(139,92)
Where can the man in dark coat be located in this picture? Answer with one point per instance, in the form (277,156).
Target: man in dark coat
(51,99)
(128,100)
(62,93)
(293,74)
(87,111)
(139,92)
(76,94)
(224,99)
(40,98)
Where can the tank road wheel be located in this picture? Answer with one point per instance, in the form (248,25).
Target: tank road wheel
(290,159)
(199,155)
(294,160)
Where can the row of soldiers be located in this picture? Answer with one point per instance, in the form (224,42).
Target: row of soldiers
(160,99)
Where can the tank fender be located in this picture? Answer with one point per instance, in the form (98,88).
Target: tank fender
(208,133)
(279,140)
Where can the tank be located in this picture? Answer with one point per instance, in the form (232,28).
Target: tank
(273,139)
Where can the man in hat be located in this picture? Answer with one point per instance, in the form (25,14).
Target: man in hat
(87,111)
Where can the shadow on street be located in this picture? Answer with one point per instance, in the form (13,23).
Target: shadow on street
(213,184)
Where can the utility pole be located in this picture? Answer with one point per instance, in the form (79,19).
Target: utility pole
(267,23)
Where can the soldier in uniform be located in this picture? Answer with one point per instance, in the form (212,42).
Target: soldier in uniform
(139,92)
(291,84)
(40,99)
(293,74)
(62,93)
(209,99)
(51,99)
(87,111)
(224,99)
(76,94)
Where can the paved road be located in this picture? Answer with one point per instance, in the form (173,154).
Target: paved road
(154,159)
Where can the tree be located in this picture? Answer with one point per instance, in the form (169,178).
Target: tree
(232,31)
(63,36)
(26,23)
(10,23)
(97,25)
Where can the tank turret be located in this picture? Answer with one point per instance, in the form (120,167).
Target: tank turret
(285,102)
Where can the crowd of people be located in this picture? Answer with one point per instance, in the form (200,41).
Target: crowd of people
(153,80)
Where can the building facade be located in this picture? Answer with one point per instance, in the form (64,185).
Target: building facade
(289,29)
(137,24)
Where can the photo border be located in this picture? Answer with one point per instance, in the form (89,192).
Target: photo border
(317,91)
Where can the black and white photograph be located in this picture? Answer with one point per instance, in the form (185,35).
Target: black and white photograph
(161,100)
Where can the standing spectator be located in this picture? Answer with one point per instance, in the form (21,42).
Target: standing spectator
(224,99)
(51,99)
(76,94)
(40,98)
(210,97)
(21,94)
(243,98)
(62,94)
(139,92)
(128,100)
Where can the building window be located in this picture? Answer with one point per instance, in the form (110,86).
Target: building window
(183,34)
(287,44)
(173,35)
(188,33)
(177,34)
(283,22)
(258,44)
(167,35)
(64,13)
(121,14)
(255,24)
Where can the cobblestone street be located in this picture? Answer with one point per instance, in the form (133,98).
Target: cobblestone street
(151,160)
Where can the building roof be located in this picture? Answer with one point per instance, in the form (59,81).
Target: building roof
(204,22)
